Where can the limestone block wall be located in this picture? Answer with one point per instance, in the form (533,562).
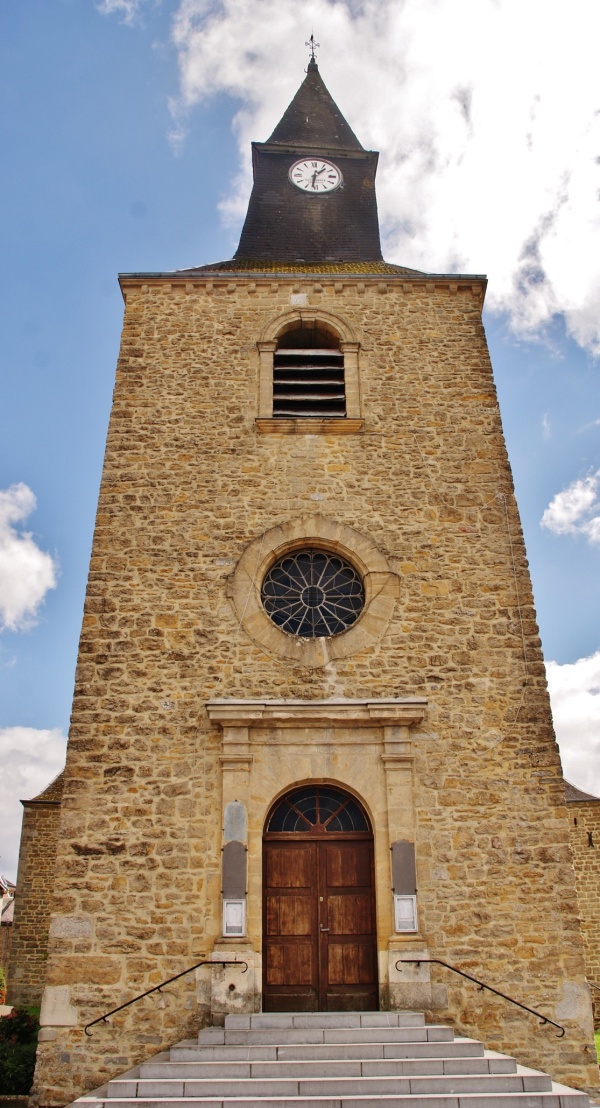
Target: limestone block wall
(191,481)
(34,896)
(584,817)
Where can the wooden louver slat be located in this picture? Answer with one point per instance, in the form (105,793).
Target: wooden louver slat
(308,383)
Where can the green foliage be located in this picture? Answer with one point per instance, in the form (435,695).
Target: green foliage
(2,982)
(597,1041)
(18,1027)
(18,1038)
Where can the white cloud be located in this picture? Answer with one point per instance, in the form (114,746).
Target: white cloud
(576,510)
(26,572)
(129,9)
(575,696)
(588,426)
(30,759)
(485,114)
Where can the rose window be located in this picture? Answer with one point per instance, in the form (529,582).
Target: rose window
(313,594)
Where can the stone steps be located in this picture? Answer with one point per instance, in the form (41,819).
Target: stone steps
(328,1067)
(559,1097)
(313,1036)
(329,1086)
(282,1020)
(332,1060)
(457,1048)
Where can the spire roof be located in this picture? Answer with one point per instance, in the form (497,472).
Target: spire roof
(313,118)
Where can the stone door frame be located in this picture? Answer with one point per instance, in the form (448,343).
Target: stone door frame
(269,745)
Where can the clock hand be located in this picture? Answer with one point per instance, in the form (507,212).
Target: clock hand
(316,174)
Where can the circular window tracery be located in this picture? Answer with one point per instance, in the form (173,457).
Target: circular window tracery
(313,594)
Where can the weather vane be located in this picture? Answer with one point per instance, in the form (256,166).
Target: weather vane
(313,46)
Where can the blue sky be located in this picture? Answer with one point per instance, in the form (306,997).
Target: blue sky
(125,133)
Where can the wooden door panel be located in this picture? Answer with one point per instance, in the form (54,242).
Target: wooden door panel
(289,915)
(349,914)
(290,868)
(290,964)
(350,963)
(272,915)
(349,864)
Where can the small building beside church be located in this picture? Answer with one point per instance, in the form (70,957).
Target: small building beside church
(36,881)
(584,819)
(7,906)
(311,732)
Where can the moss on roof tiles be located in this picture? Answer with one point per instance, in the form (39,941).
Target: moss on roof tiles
(245,265)
(573,794)
(53,792)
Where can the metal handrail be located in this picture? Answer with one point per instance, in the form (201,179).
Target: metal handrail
(157,989)
(482,985)
(593,986)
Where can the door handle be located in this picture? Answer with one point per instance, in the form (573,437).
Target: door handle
(325,928)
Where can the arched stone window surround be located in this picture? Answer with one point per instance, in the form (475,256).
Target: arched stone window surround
(349,346)
(380,582)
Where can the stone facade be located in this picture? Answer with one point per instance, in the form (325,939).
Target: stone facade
(584,814)
(34,896)
(432,710)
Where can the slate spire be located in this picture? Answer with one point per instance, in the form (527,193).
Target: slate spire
(313,118)
(294,224)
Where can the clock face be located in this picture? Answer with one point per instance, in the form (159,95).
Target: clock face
(315,176)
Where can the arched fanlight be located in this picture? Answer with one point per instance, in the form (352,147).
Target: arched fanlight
(314,809)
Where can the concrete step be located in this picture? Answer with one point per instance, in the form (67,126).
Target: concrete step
(217,1036)
(190,1051)
(358,1067)
(325,1019)
(523,1081)
(559,1096)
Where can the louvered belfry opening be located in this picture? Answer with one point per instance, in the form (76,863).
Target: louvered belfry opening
(308,374)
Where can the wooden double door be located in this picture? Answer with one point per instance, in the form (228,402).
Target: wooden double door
(319,923)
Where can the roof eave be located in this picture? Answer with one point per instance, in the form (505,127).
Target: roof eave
(313,147)
(183,277)
(201,273)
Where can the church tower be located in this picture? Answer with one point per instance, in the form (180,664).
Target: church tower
(310,731)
